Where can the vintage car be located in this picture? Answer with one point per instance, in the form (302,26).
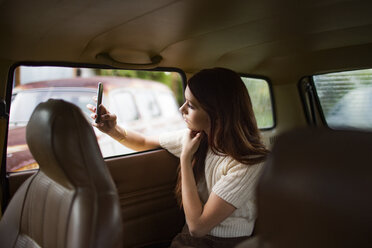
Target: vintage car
(313,56)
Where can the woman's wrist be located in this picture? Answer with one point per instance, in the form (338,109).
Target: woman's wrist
(118,133)
(185,158)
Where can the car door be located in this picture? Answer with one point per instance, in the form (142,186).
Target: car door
(145,182)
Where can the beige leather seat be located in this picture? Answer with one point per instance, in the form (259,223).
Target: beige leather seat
(71,201)
(316,191)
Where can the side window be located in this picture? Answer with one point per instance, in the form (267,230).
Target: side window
(259,91)
(131,95)
(346,98)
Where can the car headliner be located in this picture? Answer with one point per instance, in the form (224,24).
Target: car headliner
(283,40)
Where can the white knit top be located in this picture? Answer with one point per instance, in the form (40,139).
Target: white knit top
(230,180)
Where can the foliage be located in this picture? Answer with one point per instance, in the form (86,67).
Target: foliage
(259,92)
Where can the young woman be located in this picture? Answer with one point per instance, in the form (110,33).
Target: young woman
(220,153)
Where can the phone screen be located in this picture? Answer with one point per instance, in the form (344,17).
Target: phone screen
(99,101)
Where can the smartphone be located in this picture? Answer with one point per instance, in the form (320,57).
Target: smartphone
(99,101)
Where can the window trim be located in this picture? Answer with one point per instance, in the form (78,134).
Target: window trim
(317,101)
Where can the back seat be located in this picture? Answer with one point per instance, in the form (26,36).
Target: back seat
(315,191)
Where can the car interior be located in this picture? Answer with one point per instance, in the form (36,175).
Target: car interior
(315,58)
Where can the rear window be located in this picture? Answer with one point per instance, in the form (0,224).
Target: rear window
(346,98)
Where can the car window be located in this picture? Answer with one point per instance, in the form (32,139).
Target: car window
(136,97)
(346,98)
(259,91)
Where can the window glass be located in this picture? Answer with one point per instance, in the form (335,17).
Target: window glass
(134,96)
(167,104)
(125,106)
(346,98)
(259,92)
(147,105)
(23,103)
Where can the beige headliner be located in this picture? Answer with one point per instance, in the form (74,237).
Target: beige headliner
(280,39)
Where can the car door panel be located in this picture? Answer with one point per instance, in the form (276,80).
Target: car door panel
(145,183)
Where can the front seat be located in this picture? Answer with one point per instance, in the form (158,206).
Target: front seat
(316,191)
(72,200)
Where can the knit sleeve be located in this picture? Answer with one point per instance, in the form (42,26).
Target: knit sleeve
(173,141)
(237,185)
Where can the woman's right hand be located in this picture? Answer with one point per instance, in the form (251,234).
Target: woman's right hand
(108,120)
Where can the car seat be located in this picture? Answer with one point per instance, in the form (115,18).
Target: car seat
(315,191)
(72,200)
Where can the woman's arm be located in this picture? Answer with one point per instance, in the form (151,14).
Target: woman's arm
(199,220)
(130,139)
(134,140)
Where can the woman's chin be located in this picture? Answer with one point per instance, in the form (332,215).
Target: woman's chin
(192,128)
(195,130)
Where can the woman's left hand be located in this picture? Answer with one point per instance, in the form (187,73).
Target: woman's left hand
(191,145)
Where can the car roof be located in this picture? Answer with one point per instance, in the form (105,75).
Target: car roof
(109,83)
(283,40)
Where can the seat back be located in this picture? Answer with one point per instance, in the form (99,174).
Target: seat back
(316,191)
(72,200)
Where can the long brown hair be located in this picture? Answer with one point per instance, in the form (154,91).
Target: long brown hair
(233,127)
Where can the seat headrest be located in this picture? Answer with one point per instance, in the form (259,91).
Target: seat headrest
(315,190)
(65,146)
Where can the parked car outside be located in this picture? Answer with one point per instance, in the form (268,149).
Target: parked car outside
(145,106)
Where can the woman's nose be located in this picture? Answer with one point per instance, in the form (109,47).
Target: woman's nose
(182,108)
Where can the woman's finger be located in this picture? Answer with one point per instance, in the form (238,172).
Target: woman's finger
(91,108)
(197,136)
(106,117)
(103,109)
(196,139)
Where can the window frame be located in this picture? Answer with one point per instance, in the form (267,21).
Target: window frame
(317,101)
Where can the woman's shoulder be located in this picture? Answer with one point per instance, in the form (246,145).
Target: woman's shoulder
(236,182)
(234,164)
(225,165)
